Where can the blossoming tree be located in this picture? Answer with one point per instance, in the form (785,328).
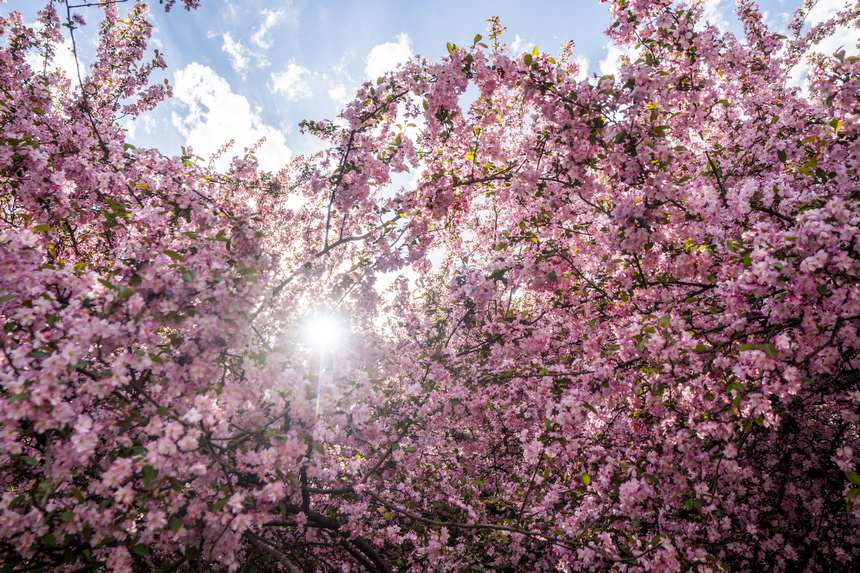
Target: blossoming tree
(640,350)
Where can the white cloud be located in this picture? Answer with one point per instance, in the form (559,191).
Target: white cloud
(713,13)
(582,64)
(386,57)
(231,9)
(520,45)
(340,84)
(612,62)
(145,121)
(271,18)
(615,56)
(337,93)
(63,59)
(239,55)
(842,38)
(824,9)
(148,123)
(216,114)
(294,82)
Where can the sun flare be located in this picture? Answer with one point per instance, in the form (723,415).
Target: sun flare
(323,331)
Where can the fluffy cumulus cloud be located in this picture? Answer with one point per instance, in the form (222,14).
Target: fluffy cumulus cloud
(214,115)
(612,62)
(293,82)
(387,56)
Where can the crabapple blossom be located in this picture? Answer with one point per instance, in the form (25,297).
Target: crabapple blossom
(639,352)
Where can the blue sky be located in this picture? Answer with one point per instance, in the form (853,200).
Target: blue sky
(252,68)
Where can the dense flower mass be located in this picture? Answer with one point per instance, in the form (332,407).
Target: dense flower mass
(639,352)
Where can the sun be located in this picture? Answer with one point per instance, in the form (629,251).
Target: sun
(323,331)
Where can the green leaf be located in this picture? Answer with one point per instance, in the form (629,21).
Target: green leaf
(124,293)
(6,298)
(19,397)
(246,271)
(527,58)
(766,347)
(174,255)
(174,523)
(498,275)
(735,386)
(808,168)
(692,504)
(118,208)
(141,549)
(701,348)
(42,228)
(149,475)
(853,477)
(782,155)
(586,479)
(67,516)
